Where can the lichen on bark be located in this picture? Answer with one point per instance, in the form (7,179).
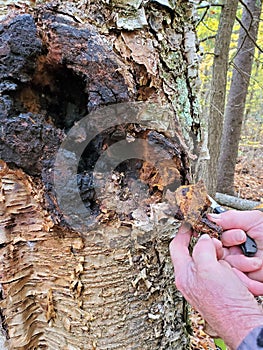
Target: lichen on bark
(109,287)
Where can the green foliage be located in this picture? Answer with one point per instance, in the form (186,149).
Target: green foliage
(220,344)
(207,30)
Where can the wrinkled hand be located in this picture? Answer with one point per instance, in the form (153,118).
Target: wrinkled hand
(211,286)
(235,224)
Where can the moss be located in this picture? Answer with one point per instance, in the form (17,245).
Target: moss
(173,60)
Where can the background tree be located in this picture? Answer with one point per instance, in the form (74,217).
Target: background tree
(217,93)
(234,113)
(209,13)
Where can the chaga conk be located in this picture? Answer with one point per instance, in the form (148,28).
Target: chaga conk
(191,204)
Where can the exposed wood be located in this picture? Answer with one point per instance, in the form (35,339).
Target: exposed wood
(109,287)
(235,202)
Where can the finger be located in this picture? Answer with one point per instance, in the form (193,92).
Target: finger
(204,252)
(231,219)
(255,287)
(219,248)
(256,275)
(179,247)
(244,263)
(234,250)
(233,237)
(225,264)
(226,252)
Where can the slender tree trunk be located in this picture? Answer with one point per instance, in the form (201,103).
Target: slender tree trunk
(237,96)
(252,89)
(95,275)
(218,91)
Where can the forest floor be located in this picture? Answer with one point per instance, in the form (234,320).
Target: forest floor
(248,185)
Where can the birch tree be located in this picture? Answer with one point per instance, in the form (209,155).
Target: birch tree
(95,275)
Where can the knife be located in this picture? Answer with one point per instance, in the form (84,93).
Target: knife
(249,247)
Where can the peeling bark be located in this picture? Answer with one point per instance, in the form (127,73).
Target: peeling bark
(108,287)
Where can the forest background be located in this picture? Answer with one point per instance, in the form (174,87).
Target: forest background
(248,167)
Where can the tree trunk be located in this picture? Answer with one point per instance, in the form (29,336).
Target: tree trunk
(85,264)
(218,92)
(237,96)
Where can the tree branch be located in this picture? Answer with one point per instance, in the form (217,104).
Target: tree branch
(203,16)
(249,35)
(209,53)
(209,5)
(211,30)
(247,8)
(206,7)
(235,202)
(207,38)
(246,76)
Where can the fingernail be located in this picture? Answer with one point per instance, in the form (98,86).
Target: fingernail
(214,216)
(204,236)
(240,236)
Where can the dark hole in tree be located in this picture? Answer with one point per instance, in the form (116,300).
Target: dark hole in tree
(129,168)
(65,100)
(56,91)
(129,173)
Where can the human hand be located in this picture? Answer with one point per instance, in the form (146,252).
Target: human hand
(211,286)
(236,224)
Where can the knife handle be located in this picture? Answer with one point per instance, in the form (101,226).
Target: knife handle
(249,247)
(218,210)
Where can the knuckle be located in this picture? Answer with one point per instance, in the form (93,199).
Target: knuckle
(180,283)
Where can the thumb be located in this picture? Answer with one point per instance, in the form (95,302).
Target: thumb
(204,252)
(179,248)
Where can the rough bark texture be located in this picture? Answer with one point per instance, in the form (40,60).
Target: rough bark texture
(237,96)
(236,202)
(109,287)
(218,93)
